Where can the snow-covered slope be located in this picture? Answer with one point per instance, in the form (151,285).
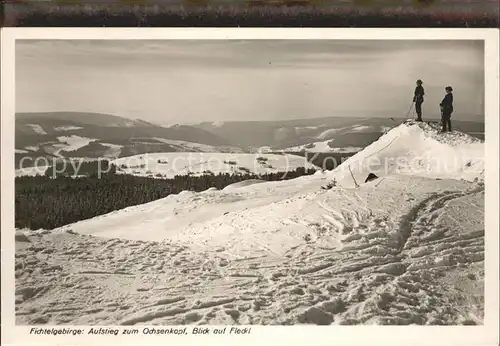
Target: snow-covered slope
(31,171)
(37,129)
(328,133)
(63,144)
(416,149)
(268,254)
(71,143)
(113,151)
(405,249)
(67,128)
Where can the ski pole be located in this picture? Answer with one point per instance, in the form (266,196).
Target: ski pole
(409,110)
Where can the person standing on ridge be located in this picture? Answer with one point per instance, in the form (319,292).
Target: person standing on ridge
(446,109)
(418,98)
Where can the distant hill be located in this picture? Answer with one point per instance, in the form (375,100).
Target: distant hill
(94,135)
(345,131)
(78,134)
(105,126)
(81,118)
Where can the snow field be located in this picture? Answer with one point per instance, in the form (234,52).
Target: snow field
(71,143)
(324,259)
(169,165)
(322,147)
(37,129)
(67,128)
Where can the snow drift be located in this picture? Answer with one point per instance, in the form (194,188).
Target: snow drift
(416,149)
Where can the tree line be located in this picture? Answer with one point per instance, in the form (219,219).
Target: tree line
(52,201)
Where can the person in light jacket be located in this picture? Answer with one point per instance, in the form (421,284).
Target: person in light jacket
(446,109)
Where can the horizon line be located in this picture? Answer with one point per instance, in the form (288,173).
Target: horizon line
(251,121)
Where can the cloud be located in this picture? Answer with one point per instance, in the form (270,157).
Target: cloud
(171,81)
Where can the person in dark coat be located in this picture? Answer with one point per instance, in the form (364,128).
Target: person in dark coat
(418,98)
(446,109)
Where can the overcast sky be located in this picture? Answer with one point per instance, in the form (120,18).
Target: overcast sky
(192,81)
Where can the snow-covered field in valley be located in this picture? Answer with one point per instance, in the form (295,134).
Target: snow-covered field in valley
(168,165)
(113,151)
(197,147)
(322,147)
(406,248)
(71,143)
(31,171)
(67,128)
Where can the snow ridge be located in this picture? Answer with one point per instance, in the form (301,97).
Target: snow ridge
(416,148)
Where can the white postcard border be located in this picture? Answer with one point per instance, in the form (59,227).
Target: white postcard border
(486,334)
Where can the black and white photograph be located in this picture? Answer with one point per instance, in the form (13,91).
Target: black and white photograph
(249,182)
